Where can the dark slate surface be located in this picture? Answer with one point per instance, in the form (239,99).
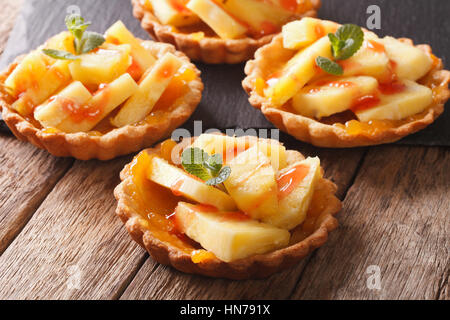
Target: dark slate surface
(225,104)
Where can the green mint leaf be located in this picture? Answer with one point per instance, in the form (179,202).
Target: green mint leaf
(214,164)
(351,38)
(91,41)
(329,66)
(336,44)
(76,24)
(58,54)
(223,175)
(192,160)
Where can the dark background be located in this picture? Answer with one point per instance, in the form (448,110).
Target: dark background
(225,103)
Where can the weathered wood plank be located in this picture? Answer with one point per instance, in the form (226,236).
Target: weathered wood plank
(395,217)
(73,237)
(27,175)
(154,281)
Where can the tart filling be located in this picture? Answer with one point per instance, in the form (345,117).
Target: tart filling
(98,85)
(361,86)
(230,19)
(217,31)
(238,199)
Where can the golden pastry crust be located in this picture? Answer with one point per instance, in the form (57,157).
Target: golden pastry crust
(208,50)
(255,267)
(331,136)
(118,142)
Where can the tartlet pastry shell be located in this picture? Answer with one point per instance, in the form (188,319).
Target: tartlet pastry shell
(120,141)
(208,50)
(255,267)
(330,136)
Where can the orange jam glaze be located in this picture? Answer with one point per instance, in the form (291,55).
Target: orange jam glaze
(290,180)
(157,205)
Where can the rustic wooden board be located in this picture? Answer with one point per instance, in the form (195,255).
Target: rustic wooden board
(27,175)
(396,217)
(155,281)
(225,104)
(74,230)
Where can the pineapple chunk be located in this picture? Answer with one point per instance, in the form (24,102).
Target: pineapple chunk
(150,90)
(27,74)
(103,65)
(119,34)
(252,184)
(298,71)
(52,113)
(102,103)
(368,62)
(411,63)
(265,17)
(183,184)
(322,100)
(173,12)
(414,99)
(302,33)
(229,147)
(297,184)
(230,236)
(218,19)
(55,77)
(63,41)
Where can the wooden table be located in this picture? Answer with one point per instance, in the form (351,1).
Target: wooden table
(60,238)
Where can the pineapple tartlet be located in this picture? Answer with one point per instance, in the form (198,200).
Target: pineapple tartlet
(225,207)
(342,86)
(92,96)
(218,31)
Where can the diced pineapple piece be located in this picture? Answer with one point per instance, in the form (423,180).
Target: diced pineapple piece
(298,71)
(188,186)
(265,17)
(411,63)
(217,18)
(324,99)
(296,188)
(55,77)
(414,99)
(229,147)
(173,12)
(119,34)
(63,41)
(150,90)
(301,33)
(230,236)
(27,74)
(102,103)
(55,111)
(103,65)
(252,184)
(368,62)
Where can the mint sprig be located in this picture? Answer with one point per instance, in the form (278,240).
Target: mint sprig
(208,168)
(84,42)
(329,66)
(345,43)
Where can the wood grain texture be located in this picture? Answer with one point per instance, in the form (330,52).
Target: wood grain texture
(73,235)
(396,217)
(154,281)
(27,175)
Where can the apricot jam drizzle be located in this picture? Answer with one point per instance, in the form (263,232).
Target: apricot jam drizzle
(176,89)
(291,179)
(365,103)
(332,84)
(135,70)
(289,5)
(375,46)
